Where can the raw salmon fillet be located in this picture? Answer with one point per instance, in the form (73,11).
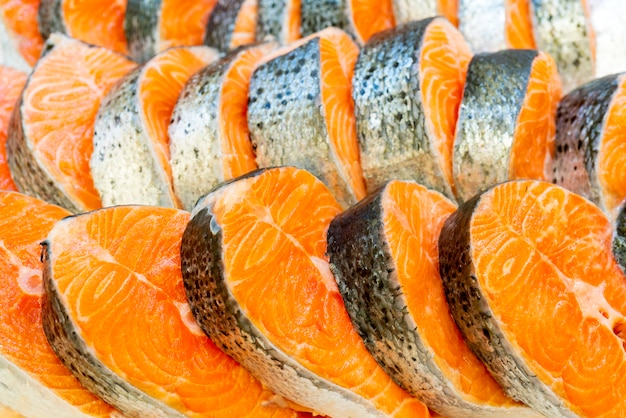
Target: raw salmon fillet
(93,21)
(407,88)
(232,23)
(383,253)
(506,125)
(258,282)
(301,111)
(154,26)
(209,135)
(532,283)
(591,143)
(20,19)
(11,85)
(130,162)
(50,137)
(116,315)
(33,381)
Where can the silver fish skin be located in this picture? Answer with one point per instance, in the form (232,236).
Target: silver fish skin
(362,262)
(141,26)
(482,23)
(493,97)
(286,118)
(221,24)
(406,11)
(123,166)
(316,15)
(561,29)
(391,124)
(580,121)
(271,20)
(619,237)
(476,321)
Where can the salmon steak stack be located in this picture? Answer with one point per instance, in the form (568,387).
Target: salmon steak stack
(304,347)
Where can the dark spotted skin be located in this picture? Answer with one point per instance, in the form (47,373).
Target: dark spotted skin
(221,24)
(361,261)
(69,346)
(493,97)
(619,238)
(316,15)
(141,26)
(286,118)
(271,20)
(481,331)
(219,315)
(579,125)
(50,18)
(560,29)
(391,124)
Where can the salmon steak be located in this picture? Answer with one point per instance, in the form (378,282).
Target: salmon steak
(301,112)
(50,133)
(33,381)
(591,143)
(209,135)
(383,253)
(93,21)
(531,281)
(259,283)
(232,23)
(493,25)
(102,288)
(278,20)
(154,26)
(506,125)
(360,18)
(130,162)
(407,88)
(11,84)
(20,22)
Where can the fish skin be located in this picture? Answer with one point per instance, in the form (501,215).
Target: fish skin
(482,23)
(561,30)
(195,125)
(271,20)
(390,119)
(121,150)
(579,124)
(79,359)
(619,237)
(286,120)
(319,14)
(50,18)
(492,101)
(220,317)
(221,24)
(408,10)
(141,26)
(475,320)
